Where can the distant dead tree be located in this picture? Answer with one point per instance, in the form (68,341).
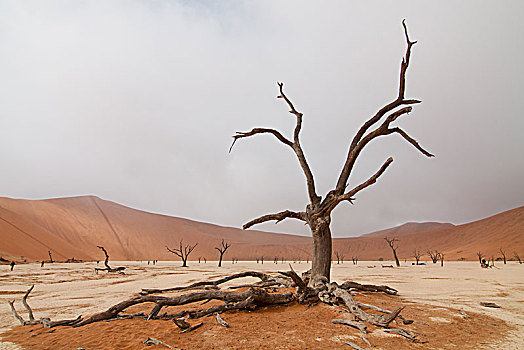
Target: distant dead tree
(354,260)
(394,246)
(441,257)
(317,213)
(417,255)
(50,257)
(106,263)
(503,255)
(199,258)
(480,256)
(340,256)
(517,257)
(182,252)
(433,255)
(205,260)
(222,249)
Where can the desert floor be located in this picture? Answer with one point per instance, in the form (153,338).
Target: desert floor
(67,290)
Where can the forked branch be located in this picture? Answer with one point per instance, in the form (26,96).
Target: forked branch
(359,141)
(295,145)
(183,253)
(331,201)
(222,249)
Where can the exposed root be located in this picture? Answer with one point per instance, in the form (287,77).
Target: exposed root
(250,299)
(265,278)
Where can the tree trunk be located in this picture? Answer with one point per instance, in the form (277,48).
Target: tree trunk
(321,261)
(396,258)
(220,261)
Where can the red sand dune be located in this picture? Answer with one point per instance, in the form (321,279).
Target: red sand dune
(73,227)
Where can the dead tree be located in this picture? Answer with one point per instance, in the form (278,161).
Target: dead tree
(517,257)
(417,255)
(433,255)
(441,257)
(183,253)
(339,256)
(315,286)
(222,249)
(106,263)
(355,260)
(480,256)
(50,257)
(317,213)
(503,255)
(394,246)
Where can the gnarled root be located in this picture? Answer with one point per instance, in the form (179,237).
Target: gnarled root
(251,298)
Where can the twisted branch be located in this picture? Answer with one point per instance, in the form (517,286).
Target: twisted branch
(277,217)
(279,136)
(295,145)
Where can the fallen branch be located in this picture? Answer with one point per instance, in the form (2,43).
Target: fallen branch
(221,321)
(368,287)
(250,299)
(106,263)
(192,328)
(377,320)
(154,341)
(403,332)
(354,346)
(46,322)
(487,304)
(353,324)
(263,277)
(364,339)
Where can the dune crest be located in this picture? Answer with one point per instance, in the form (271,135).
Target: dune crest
(74,226)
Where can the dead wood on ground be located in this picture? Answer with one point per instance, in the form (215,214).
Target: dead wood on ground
(252,298)
(108,268)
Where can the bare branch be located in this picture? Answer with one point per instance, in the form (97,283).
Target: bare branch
(278,217)
(358,142)
(391,242)
(183,252)
(278,135)
(410,140)
(298,148)
(405,63)
(26,305)
(174,251)
(332,201)
(295,145)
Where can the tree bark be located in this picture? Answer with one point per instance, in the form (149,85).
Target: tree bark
(396,257)
(322,244)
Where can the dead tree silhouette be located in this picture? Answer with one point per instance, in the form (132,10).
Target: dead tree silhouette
(183,252)
(317,214)
(222,250)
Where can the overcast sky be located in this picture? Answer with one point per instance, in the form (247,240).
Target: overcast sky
(136,102)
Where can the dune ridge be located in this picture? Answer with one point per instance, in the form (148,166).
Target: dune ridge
(74,226)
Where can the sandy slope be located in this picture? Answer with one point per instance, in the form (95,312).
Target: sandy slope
(73,227)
